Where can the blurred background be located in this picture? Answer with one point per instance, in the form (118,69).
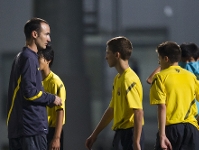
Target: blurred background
(79,31)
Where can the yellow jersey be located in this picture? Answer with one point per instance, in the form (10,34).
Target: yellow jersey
(177,88)
(127,94)
(54,85)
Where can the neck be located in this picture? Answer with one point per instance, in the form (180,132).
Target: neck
(169,65)
(31,46)
(175,64)
(45,73)
(122,66)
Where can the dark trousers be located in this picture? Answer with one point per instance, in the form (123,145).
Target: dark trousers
(51,132)
(183,136)
(37,142)
(123,139)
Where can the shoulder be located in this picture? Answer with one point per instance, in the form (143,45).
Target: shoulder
(174,71)
(55,78)
(130,75)
(27,54)
(131,78)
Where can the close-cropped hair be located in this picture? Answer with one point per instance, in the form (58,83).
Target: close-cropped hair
(122,45)
(189,50)
(47,54)
(33,24)
(171,50)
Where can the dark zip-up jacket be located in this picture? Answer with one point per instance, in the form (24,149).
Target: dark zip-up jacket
(26,106)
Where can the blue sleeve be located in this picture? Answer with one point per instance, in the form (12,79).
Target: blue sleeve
(32,82)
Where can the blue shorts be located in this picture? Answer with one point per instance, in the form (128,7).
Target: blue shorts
(183,136)
(37,142)
(124,138)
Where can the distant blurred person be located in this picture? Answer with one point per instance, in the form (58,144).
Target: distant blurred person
(125,108)
(189,61)
(189,58)
(26,107)
(53,84)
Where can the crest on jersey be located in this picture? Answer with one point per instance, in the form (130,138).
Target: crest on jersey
(118,91)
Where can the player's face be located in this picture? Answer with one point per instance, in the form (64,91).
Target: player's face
(43,37)
(110,57)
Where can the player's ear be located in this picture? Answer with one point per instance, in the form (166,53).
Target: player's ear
(166,58)
(117,54)
(34,34)
(48,61)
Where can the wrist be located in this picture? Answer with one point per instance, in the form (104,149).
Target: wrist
(56,137)
(94,135)
(162,135)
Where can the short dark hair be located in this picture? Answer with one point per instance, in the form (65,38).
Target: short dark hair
(122,45)
(33,24)
(189,50)
(47,53)
(171,50)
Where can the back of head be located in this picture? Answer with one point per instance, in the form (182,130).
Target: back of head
(33,24)
(122,45)
(189,50)
(48,54)
(171,50)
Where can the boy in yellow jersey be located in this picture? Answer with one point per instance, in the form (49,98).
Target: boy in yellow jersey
(174,90)
(125,108)
(53,84)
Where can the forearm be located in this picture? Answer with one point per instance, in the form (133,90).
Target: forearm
(150,78)
(138,118)
(59,124)
(39,97)
(105,120)
(162,119)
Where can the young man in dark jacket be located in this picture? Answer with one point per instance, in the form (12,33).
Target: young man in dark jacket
(26,106)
